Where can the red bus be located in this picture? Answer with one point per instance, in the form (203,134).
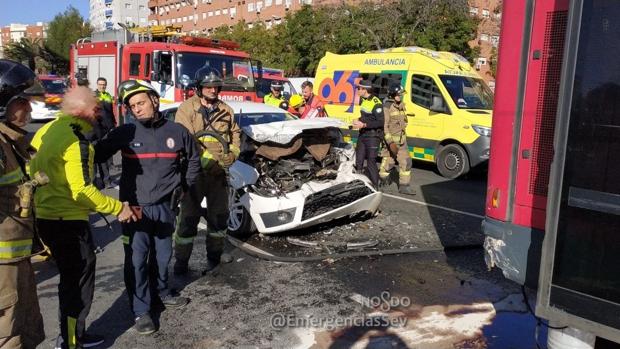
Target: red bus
(553,196)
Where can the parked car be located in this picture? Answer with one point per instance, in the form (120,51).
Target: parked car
(292,173)
(46,109)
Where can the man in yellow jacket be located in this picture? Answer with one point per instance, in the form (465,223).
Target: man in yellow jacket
(63,205)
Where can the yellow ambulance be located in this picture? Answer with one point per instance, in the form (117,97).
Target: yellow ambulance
(449,106)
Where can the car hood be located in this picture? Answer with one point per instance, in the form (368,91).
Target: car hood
(283,132)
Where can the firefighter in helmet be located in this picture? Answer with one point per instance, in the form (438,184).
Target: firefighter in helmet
(396,140)
(21,324)
(276,98)
(206,112)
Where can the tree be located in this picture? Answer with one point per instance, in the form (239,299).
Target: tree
(305,36)
(25,50)
(65,29)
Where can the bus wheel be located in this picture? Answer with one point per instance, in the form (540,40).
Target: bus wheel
(452,161)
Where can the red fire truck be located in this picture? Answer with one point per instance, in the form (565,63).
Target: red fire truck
(170,64)
(553,194)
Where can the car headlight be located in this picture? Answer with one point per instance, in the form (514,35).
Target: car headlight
(482,130)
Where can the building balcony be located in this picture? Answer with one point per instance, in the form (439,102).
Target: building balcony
(108,13)
(108,2)
(109,25)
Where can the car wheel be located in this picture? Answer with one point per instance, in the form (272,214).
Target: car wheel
(240,222)
(452,161)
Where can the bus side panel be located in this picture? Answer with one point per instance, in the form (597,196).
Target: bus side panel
(505,107)
(539,112)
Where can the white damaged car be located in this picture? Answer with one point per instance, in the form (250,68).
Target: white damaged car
(292,173)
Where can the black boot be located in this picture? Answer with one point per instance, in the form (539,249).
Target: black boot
(180,267)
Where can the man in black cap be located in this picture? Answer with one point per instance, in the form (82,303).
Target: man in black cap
(370,125)
(276,98)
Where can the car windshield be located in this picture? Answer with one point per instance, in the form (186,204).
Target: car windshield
(54,86)
(264,87)
(247,119)
(467,92)
(236,72)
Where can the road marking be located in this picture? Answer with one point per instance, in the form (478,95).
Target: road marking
(434,206)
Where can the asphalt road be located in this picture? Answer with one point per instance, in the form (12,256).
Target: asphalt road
(433,300)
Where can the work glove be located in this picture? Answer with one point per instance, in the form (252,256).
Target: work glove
(227,159)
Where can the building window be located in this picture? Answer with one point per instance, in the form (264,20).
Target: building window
(495,40)
(141,7)
(142,20)
(174,20)
(204,15)
(210,13)
(225,11)
(233,11)
(251,7)
(484,37)
(278,2)
(184,18)
(268,3)
(218,12)
(473,11)
(128,6)
(485,13)
(259,6)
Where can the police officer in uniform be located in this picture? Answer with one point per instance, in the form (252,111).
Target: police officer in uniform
(276,98)
(370,125)
(21,324)
(396,140)
(205,111)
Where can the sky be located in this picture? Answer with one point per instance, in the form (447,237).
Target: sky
(32,11)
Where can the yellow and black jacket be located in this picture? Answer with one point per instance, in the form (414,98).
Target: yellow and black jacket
(66,156)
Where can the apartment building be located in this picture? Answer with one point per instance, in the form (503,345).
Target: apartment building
(15,32)
(201,16)
(106,14)
(487,37)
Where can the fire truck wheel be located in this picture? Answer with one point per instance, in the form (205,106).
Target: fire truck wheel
(452,161)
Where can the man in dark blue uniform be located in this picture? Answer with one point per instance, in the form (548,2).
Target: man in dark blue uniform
(159,159)
(370,125)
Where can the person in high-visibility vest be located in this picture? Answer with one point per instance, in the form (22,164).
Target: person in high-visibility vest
(395,136)
(64,205)
(275,98)
(21,323)
(370,125)
(205,111)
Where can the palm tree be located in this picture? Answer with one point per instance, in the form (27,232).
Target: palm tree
(24,50)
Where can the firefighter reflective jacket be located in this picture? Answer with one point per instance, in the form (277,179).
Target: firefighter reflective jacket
(66,156)
(15,232)
(220,119)
(158,157)
(395,122)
